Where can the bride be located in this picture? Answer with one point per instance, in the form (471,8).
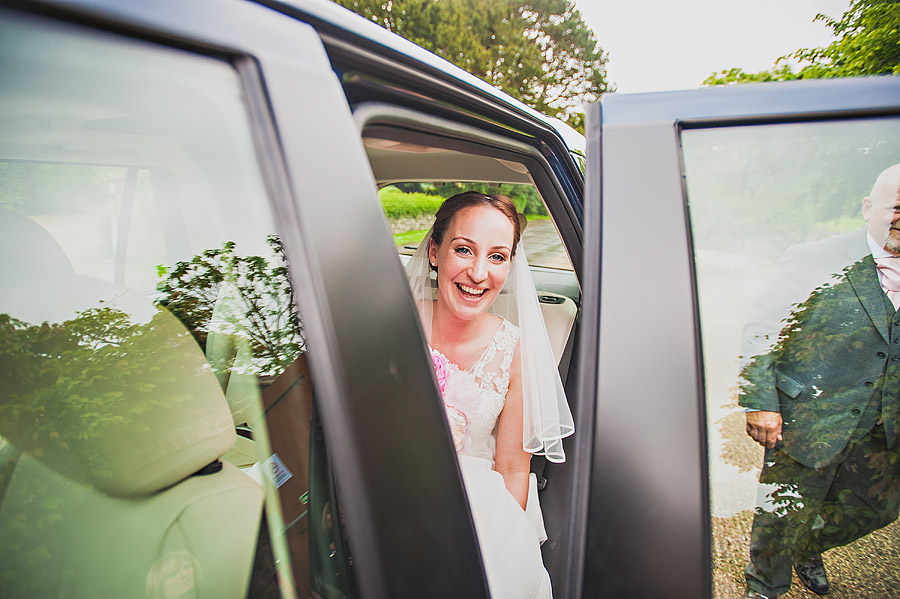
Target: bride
(498,378)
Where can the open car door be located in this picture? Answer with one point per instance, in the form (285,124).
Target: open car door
(691,198)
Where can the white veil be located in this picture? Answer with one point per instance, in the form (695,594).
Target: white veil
(547,419)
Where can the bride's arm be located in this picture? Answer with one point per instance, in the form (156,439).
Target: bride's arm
(513,462)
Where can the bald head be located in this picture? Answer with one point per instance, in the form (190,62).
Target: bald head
(887,183)
(882,209)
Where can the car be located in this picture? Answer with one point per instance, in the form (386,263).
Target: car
(216,382)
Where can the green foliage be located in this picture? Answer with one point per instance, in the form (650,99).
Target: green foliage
(410,237)
(219,291)
(762,189)
(70,385)
(54,188)
(95,394)
(82,370)
(780,72)
(413,200)
(398,204)
(814,377)
(868,44)
(540,52)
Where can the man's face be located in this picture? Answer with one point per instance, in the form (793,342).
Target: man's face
(882,214)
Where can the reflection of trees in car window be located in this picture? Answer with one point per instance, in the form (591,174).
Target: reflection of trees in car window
(794,182)
(250,297)
(757,196)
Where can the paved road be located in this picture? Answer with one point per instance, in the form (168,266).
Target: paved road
(543,245)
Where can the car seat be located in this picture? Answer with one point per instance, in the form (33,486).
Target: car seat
(113,487)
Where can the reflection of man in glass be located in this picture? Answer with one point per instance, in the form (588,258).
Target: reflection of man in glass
(820,385)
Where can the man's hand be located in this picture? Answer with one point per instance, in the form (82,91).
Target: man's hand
(764,427)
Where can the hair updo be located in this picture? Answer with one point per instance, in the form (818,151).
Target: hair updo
(467,199)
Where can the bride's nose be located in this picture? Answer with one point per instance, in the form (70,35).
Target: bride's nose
(478,270)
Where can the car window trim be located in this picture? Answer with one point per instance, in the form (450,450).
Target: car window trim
(371,116)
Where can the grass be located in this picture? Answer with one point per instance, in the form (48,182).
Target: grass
(397,204)
(410,237)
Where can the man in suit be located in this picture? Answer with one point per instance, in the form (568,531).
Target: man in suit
(820,384)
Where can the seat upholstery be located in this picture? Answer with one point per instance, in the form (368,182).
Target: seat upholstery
(559,318)
(104,500)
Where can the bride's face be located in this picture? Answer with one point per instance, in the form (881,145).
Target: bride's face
(473,260)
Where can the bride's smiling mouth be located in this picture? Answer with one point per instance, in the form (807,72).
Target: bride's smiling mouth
(470,292)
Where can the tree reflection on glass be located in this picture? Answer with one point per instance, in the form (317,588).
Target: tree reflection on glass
(100,397)
(219,291)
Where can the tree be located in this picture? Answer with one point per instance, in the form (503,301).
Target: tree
(247,297)
(868,44)
(540,52)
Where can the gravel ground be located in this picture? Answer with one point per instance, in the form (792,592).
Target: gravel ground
(866,569)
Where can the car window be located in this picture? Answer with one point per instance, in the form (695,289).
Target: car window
(158,429)
(410,208)
(796,327)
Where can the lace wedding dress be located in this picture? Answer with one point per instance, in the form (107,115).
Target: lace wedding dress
(509,537)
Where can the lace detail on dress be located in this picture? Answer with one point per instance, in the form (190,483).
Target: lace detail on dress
(504,342)
(474,398)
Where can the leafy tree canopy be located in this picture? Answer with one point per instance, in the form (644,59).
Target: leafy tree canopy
(868,44)
(540,52)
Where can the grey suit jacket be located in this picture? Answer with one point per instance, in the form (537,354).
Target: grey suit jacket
(817,348)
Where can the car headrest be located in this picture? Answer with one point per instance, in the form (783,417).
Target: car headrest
(40,283)
(129,418)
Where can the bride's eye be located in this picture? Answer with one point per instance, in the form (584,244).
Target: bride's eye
(498,257)
(463,250)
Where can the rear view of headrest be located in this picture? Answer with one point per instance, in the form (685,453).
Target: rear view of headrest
(39,282)
(129,418)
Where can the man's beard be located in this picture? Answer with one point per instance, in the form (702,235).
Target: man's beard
(892,242)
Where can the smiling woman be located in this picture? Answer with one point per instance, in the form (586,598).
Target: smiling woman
(474,238)
(482,358)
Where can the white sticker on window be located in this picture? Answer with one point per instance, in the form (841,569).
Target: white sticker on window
(276,471)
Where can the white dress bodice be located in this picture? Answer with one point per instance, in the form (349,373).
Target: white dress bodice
(509,537)
(475,397)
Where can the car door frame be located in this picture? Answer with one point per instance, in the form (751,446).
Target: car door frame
(647,512)
(408,517)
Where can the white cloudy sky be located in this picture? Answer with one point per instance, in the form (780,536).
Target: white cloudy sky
(657,45)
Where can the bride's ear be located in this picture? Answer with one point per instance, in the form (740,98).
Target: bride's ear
(432,254)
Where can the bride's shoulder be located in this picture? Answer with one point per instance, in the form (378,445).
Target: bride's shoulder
(505,327)
(506,335)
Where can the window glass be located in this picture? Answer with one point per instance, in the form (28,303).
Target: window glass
(157,409)
(801,347)
(410,209)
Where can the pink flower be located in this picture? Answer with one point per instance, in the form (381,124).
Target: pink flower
(440,369)
(446,374)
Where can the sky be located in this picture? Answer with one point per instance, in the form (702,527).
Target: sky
(658,45)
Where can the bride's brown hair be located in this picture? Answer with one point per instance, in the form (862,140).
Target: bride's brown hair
(468,199)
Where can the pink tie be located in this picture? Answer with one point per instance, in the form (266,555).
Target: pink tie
(889,267)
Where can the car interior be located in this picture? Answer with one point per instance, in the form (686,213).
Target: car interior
(427,151)
(398,156)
